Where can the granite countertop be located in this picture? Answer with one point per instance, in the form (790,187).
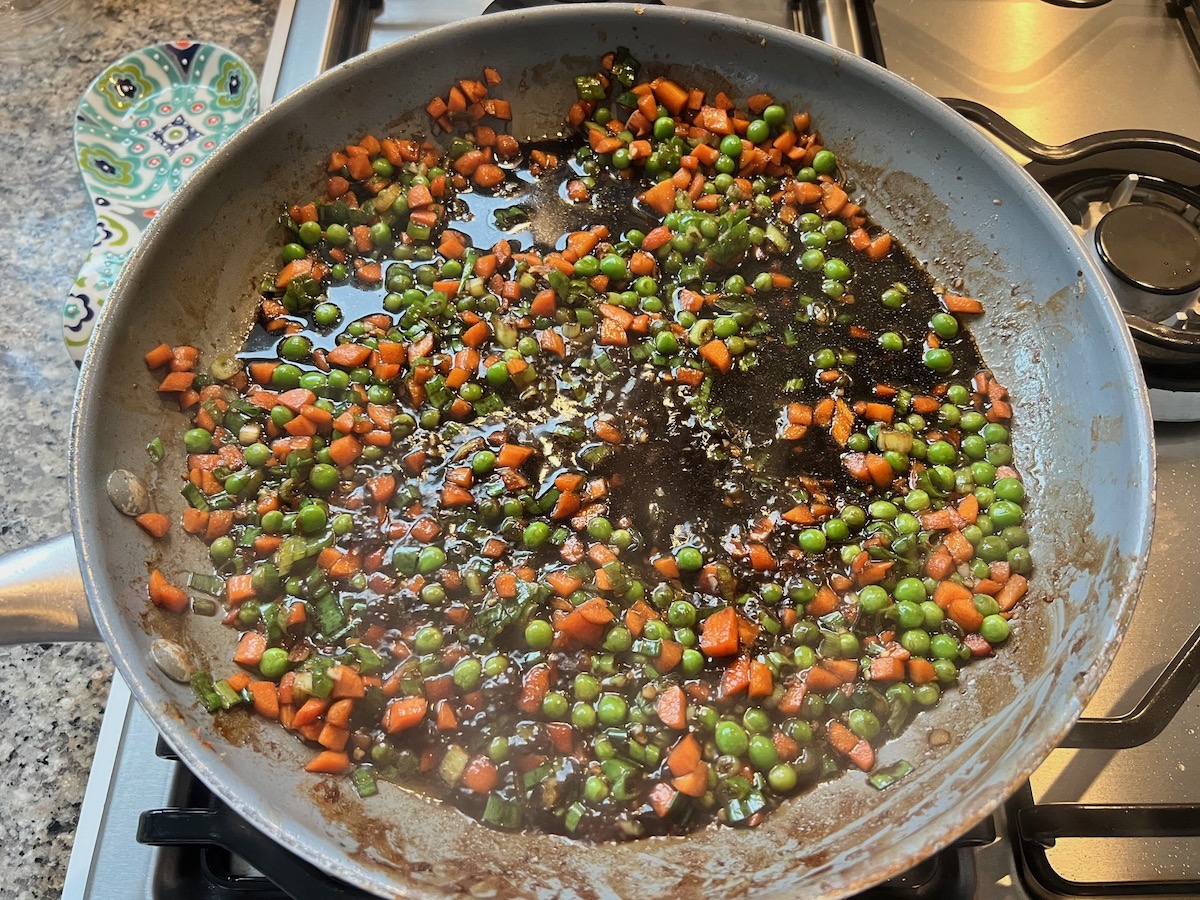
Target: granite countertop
(52,697)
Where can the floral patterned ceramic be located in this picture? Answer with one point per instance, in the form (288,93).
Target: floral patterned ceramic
(141,128)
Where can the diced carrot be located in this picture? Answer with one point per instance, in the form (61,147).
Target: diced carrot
(293,269)
(534,686)
(685,756)
(176,381)
(965,305)
(348,355)
(480,775)
(329,762)
(719,633)
(948,591)
(311,710)
(513,456)
(165,595)
(886,668)
(265,697)
(345,450)
(693,783)
(672,707)
(662,799)
(716,352)
(1012,592)
(158,357)
(962,610)
(824,603)
(661,197)
(793,698)
(921,671)
(250,649)
(404,713)
(154,524)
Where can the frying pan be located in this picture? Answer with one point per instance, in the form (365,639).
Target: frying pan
(1052,333)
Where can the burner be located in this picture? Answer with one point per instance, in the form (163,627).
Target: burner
(1152,240)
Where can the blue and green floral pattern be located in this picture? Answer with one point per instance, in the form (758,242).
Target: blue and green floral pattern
(141,128)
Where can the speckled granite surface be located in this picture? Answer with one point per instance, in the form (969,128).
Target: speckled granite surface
(52,699)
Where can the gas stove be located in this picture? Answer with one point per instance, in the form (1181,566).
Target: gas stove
(1084,93)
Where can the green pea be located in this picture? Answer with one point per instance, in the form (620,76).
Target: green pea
(497,374)
(758,131)
(285,377)
(536,534)
(1011,489)
(257,454)
(762,753)
(692,663)
(884,510)
(539,634)
(825,162)
(731,145)
(927,694)
(554,705)
(910,590)
(863,723)
(837,269)
(1020,560)
(974,446)
(836,529)
(891,341)
(197,440)
(274,662)
(430,559)
(614,267)
(428,639)
(943,646)
(984,473)
(812,260)
(994,629)
(873,599)
(689,559)
(664,128)
(812,540)
(221,550)
(945,670)
(583,715)
(312,518)
(944,325)
(834,230)
(586,687)
(323,477)
(611,709)
(932,615)
(497,750)
(938,359)
(310,233)
(731,738)
(343,524)
(1005,513)
(908,613)
(991,548)
(326,314)
(466,673)
(756,720)
(916,641)
(600,529)
(618,639)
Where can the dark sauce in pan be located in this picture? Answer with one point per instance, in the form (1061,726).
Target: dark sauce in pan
(700,466)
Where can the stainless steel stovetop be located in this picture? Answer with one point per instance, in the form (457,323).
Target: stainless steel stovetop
(1060,72)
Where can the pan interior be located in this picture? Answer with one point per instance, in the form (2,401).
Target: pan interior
(1052,335)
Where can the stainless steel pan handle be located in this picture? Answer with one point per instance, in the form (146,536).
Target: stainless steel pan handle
(41,595)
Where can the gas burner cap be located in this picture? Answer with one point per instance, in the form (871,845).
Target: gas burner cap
(1151,248)
(1145,205)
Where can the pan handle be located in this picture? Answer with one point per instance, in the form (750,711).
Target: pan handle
(41,595)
